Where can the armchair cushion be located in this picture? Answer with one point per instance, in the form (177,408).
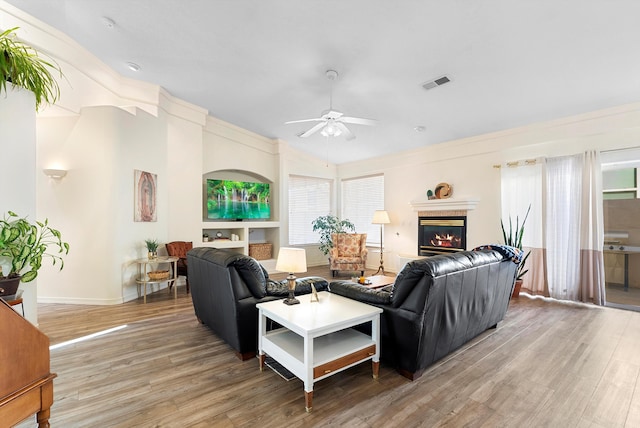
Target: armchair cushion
(349,245)
(349,251)
(178,248)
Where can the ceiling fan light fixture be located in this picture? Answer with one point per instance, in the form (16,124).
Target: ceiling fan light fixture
(331,123)
(331,130)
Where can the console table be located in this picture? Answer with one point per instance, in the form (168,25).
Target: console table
(144,267)
(315,340)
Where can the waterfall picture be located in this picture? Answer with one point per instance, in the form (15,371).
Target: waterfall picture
(237,200)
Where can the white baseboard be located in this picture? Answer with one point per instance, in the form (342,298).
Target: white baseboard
(129,294)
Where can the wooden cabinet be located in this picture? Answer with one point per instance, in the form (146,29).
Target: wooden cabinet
(26,383)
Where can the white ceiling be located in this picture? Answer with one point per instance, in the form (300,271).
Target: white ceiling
(257,63)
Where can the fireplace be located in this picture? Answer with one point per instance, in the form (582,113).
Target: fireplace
(441,235)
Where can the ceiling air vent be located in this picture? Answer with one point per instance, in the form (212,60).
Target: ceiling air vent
(436,82)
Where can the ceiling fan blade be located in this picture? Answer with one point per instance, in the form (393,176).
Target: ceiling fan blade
(345,131)
(315,128)
(304,120)
(358,120)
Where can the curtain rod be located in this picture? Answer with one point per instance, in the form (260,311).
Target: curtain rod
(515,164)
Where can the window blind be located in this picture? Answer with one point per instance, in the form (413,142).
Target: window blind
(309,198)
(360,198)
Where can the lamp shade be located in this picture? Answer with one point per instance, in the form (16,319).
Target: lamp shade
(380,217)
(292,260)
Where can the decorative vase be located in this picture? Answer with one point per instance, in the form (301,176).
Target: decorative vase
(152,255)
(516,288)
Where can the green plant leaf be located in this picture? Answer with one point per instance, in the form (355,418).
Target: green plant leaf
(23,66)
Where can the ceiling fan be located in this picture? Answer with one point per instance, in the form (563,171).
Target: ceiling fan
(331,123)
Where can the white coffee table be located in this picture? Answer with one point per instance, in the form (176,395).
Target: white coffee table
(316,341)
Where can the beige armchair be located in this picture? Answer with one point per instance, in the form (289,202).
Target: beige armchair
(349,252)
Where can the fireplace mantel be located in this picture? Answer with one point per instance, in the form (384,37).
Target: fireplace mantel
(444,204)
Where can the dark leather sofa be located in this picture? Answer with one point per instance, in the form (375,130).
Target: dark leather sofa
(438,304)
(225,287)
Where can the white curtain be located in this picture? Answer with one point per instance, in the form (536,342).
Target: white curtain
(521,188)
(592,282)
(563,194)
(566,242)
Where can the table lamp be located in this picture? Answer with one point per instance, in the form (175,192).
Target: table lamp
(380,217)
(291,260)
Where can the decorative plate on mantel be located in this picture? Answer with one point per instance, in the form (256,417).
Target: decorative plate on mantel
(443,191)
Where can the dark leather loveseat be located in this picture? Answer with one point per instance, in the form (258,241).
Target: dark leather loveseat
(225,287)
(437,304)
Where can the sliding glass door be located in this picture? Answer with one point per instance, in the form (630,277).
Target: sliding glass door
(621,212)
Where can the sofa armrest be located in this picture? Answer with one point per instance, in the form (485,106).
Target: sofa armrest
(359,292)
(303,286)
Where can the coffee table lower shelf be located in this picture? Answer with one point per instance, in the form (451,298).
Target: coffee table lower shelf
(331,353)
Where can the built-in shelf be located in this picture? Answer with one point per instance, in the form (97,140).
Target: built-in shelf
(248,232)
(444,204)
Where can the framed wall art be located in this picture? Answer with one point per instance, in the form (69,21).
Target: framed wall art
(145,194)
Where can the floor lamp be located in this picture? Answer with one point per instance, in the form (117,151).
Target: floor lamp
(380,217)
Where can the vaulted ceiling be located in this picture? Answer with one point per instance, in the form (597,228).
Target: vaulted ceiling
(258,64)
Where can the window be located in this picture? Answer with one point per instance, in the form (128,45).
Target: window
(360,198)
(309,198)
(620,183)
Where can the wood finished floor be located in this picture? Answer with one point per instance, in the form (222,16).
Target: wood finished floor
(548,364)
(617,295)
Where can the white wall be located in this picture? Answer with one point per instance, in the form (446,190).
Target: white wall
(18,175)
(468,166)
(92,205)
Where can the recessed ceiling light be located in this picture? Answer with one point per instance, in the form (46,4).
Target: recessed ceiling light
(108,22)
(420,128)
(133,66)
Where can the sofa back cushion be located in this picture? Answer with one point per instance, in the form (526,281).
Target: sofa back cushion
(423,271)
(246,268)
(253,274)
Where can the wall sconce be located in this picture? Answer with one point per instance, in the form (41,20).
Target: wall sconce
(55,173)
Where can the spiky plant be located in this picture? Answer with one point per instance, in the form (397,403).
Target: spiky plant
(513,238)
(152,245)
(23,66)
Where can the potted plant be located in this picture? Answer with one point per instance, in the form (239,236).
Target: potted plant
(513,238)
(152,248)
(327,225)
(23,246)
(22,65)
